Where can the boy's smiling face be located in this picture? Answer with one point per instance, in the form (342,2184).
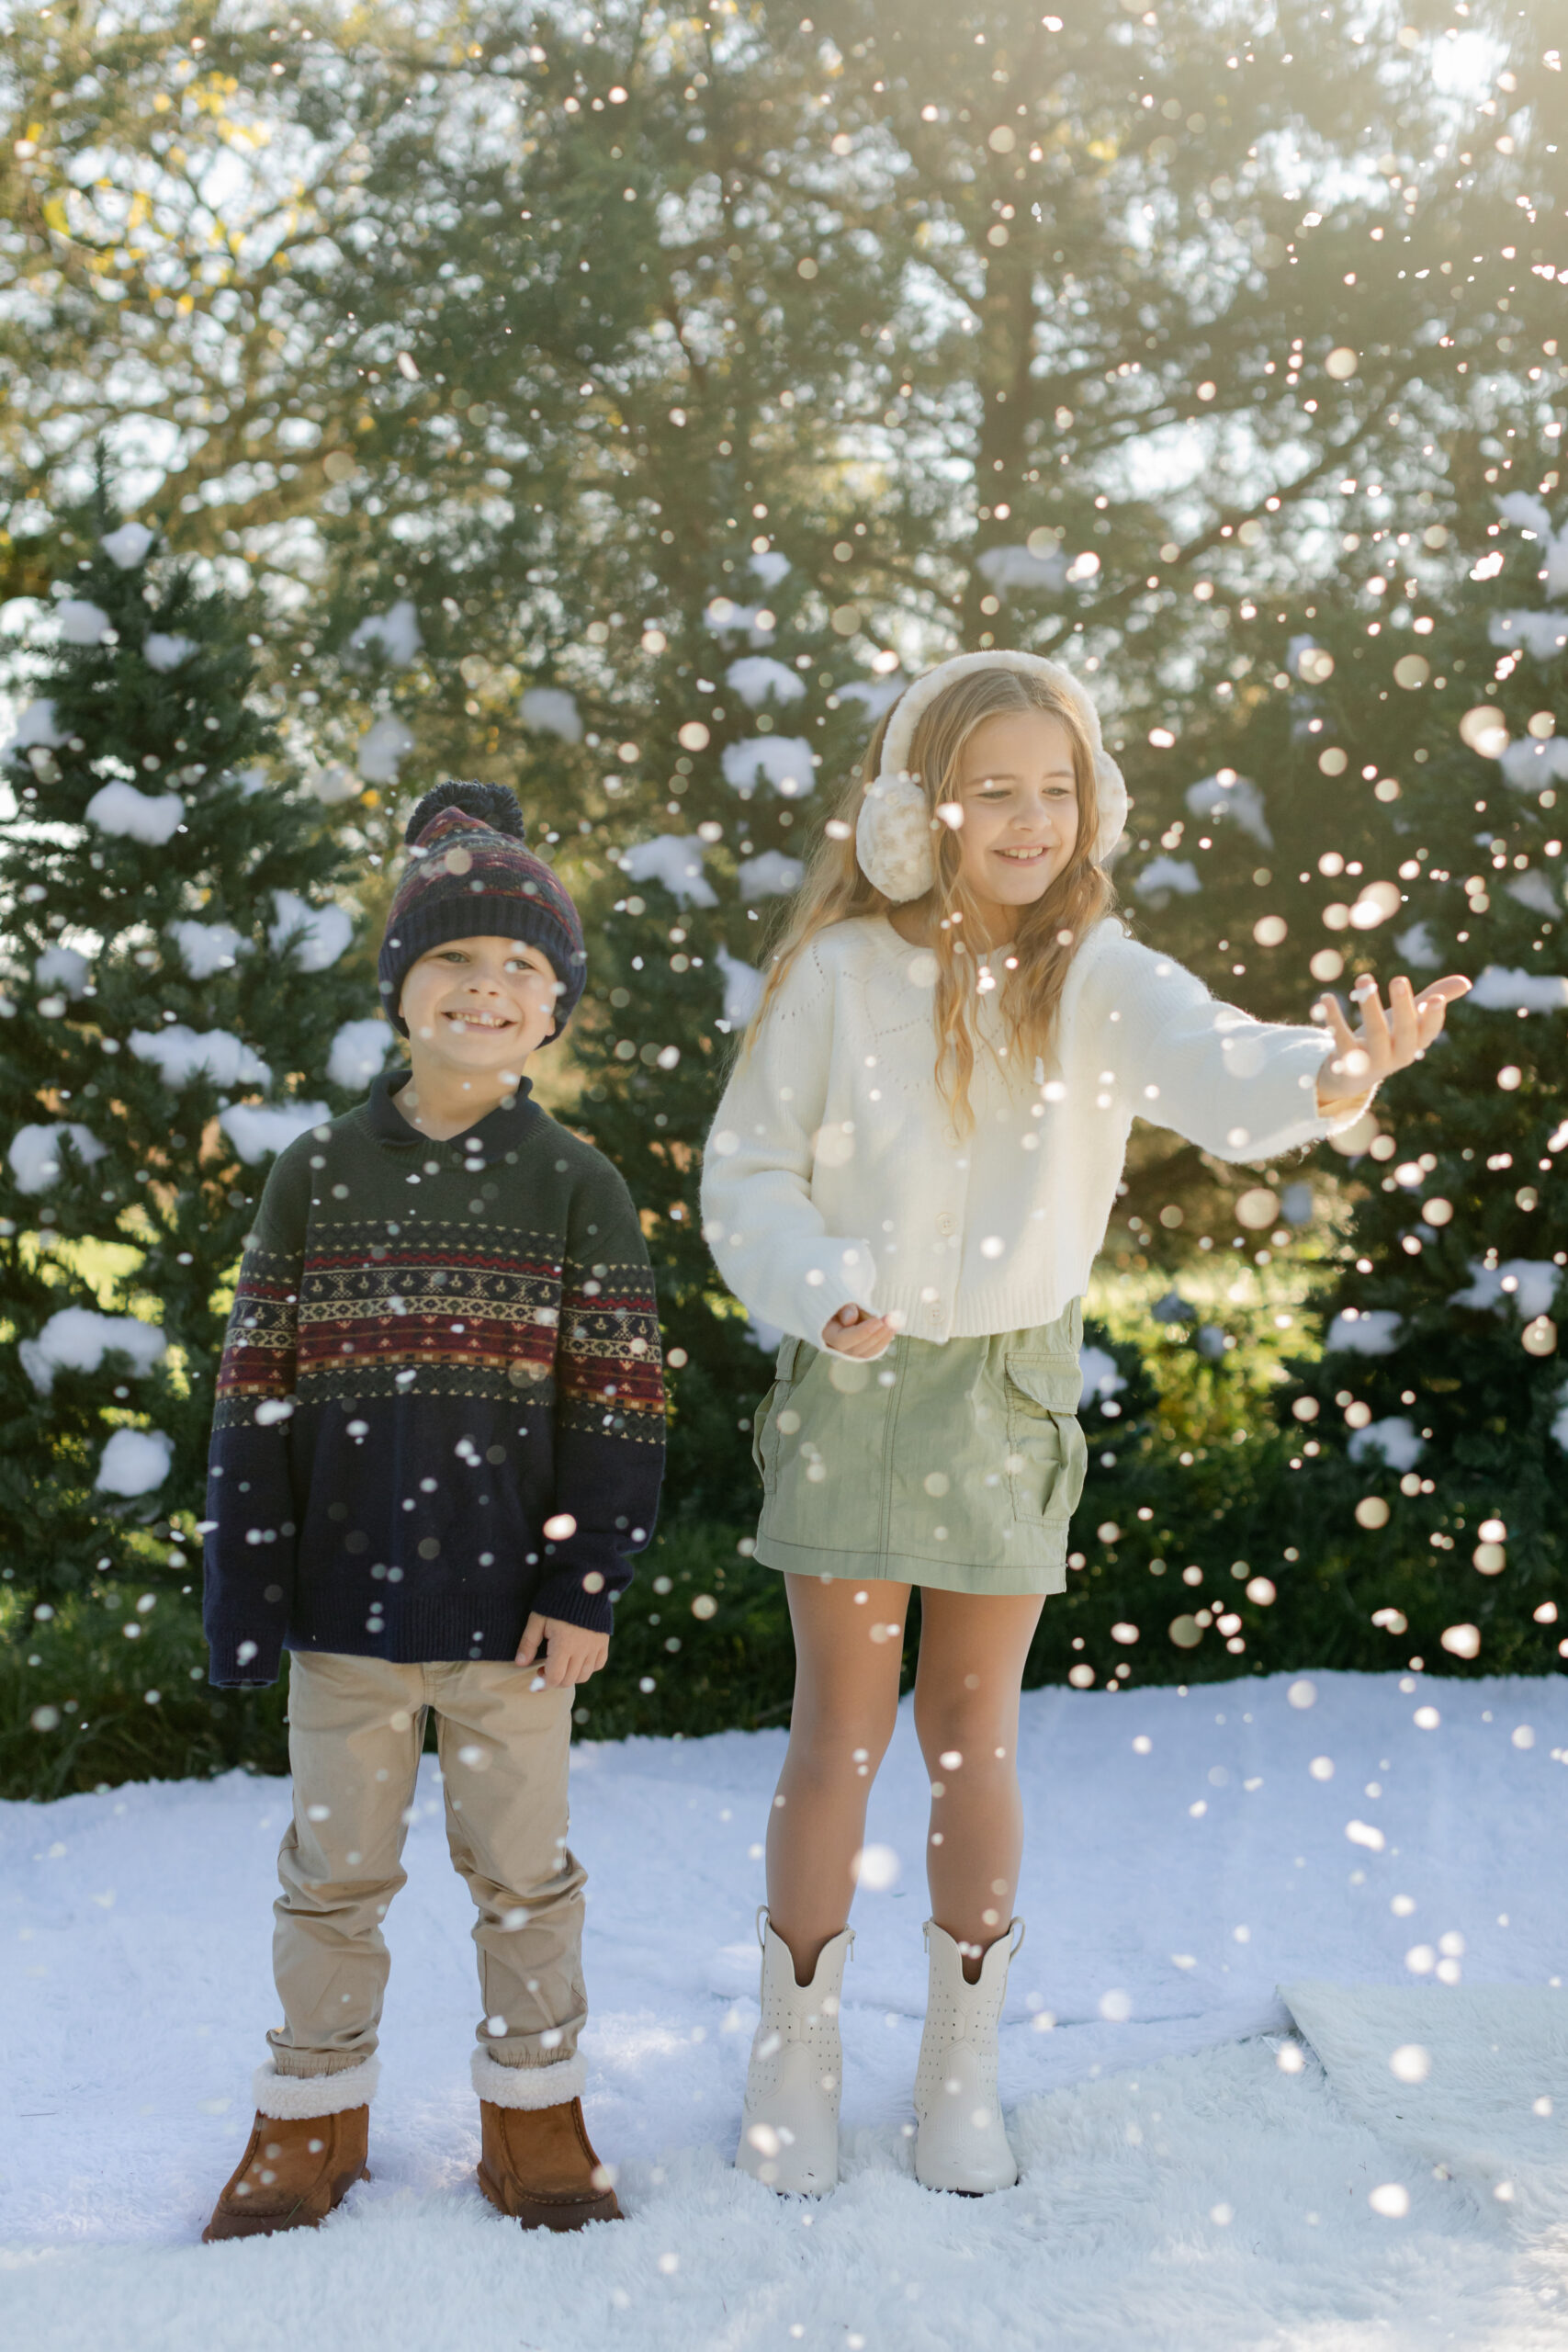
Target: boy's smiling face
(477,1008)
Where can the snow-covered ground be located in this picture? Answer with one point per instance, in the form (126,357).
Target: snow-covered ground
(1182,2189)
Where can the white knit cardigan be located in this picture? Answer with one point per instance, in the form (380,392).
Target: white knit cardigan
(834,1171)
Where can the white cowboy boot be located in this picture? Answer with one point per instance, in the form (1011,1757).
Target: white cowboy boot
(789,2128)
(962,2145)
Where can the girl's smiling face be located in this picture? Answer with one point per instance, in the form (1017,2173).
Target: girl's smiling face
(1017,792)
(479,1006)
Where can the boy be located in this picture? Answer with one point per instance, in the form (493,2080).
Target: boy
(438,1444)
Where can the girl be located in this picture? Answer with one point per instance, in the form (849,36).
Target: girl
(910,1173)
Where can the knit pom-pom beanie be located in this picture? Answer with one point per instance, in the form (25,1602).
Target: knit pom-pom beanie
(469,875)
(492,804)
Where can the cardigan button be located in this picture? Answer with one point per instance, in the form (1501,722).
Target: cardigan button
(947,1222)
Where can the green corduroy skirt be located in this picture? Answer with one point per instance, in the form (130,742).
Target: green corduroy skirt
(956,1465)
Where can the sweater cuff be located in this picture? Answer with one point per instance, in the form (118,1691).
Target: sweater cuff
(561,1595)
(242,1662)
(843,1274)
(1342,1110)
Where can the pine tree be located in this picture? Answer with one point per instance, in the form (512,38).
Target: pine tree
(177,1007)
(1320,779)
(962,339)
(904,296)
(1398,1495)
(678,958)
(1432,1468)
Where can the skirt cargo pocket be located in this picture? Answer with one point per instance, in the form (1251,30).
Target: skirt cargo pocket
(1048,1455)
(766,1435)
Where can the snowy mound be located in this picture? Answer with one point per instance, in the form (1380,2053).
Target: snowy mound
(1198,2175)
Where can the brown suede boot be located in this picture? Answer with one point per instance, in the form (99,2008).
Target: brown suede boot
(537,2163)
(301,2163)
(291,2175)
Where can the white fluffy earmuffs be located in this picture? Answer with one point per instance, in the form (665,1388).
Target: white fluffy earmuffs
(893,832)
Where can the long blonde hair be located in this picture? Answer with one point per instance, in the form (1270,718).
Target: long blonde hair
(835,888)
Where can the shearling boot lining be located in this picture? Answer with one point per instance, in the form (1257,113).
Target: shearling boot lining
(530,2087)
(294,2098)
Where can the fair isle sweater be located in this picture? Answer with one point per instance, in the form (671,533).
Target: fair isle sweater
(834,1173)
(440,1404)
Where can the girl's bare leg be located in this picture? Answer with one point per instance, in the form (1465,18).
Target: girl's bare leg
(973,1648)
(847,1664)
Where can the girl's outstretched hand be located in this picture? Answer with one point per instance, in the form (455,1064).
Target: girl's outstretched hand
(1385,1041)
(853,1332)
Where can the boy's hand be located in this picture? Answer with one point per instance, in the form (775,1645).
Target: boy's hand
(1385,1042)
(565,1653)
(853,1331)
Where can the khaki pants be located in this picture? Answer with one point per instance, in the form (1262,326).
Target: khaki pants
(355,1729)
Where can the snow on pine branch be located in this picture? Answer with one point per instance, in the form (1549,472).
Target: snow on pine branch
(394,635)
(552,710)
(359,1051)
(771,874)
(77,1339)
(676,860)
(757,675)
(785,762)
(134,1462)
(135,816)
(35,1156)
(257,1130)
(181,1054)
(208,947)
(317,935)
(1501,989)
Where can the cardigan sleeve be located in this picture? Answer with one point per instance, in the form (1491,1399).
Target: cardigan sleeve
(248,1557)
(769,1239)
(1241,1088)
(609,1435)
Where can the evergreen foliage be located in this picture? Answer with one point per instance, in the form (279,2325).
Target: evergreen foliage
(175,991)
(1440,1407)
(675,974)
(1414,1477)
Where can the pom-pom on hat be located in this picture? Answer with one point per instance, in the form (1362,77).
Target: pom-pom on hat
(893,836)
(469,875)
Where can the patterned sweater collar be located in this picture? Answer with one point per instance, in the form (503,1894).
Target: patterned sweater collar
(490,1138)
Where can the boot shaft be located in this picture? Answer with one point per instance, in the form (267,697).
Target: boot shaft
(962,2145)
(789,2131)
(957,2011)
(798,2017)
